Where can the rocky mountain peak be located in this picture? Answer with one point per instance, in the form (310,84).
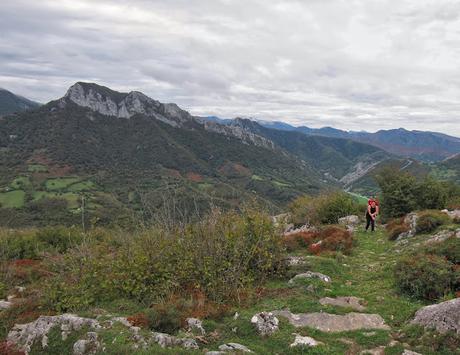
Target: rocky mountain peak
(124,105)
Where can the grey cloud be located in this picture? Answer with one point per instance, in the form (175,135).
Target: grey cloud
(351,64)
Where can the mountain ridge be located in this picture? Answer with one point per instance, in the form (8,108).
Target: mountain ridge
(11,103)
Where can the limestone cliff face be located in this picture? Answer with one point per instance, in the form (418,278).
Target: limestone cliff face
(125,105)
(241,133)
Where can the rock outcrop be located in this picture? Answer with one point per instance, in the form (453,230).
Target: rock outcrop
(195,325)
(349,222)
(334,323)
(310,275)
(411,221)
(25,335)
(88,346)
(304,341)
(442,317)
(265,323)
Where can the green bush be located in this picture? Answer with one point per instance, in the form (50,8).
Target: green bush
(19,245)
(323,209)
(425,276)
(220,256)
(449,248)
(58,238)
(431,194)
(428,221)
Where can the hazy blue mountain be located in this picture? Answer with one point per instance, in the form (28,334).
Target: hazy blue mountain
(10,103)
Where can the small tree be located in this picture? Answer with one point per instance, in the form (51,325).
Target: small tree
(398,192)
(431,194)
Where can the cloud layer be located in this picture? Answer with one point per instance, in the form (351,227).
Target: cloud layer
(350,64)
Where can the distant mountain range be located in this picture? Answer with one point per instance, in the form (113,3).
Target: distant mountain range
(10,103)
(421,145)
(127,151)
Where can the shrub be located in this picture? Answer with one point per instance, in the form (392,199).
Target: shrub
(336,239)
(429,220)
(59,239)
(424,276)
(299,240)
(19,245)
(395,227)
(219,256)
(449,248)
(323,209)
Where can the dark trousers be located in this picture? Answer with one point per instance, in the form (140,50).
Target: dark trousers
(370,221)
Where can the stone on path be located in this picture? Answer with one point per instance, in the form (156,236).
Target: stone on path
(410,352)
(443,317)
(304,341)
(265,322)
(333,322)
(234,347)
(350,302)
(310,275)
(376,351)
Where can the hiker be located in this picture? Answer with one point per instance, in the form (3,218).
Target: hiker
(371,214)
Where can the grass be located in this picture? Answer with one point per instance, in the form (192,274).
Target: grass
(366,273)
(82,186)
(73,199)
(60,183)
(12,199)
(37,168)
(20,182)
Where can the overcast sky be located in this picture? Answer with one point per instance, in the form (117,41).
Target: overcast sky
(364,64)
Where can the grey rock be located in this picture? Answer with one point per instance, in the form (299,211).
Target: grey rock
(334,323)
(194,324)
(309,275)
(292,260)
(166,340)
(442,236)
(234,347)
(304,341)
(410,352)
(349,222)
(5,305)
(452,214)
(304,228)
(376,351)
(443,317)
(349,302)
(25,335)
(265,323)
(411,221)
(88,346)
